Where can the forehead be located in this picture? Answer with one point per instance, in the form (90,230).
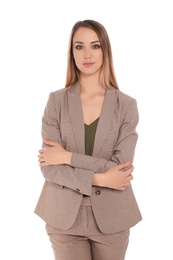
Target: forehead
(84,34)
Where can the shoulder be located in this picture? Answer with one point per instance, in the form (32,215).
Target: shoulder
(62,93)
(124,102)
(58,99)
(123,97)
(58,94)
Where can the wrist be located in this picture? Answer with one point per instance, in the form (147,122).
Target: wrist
(98,179)
(68,158)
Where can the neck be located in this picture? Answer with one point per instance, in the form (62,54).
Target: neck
(89,84)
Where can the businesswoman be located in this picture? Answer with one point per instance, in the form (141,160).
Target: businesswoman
(89,139)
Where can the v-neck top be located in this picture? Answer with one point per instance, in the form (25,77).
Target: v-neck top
(90,131)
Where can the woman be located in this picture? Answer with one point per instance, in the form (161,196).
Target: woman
(89,133)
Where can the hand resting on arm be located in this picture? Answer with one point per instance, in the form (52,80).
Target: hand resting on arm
(116,177)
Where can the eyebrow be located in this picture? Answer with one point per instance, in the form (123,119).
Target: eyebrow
(83,42)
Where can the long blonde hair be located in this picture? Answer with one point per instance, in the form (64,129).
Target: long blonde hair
(107,74)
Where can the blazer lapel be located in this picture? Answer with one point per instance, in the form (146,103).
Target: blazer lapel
(76,117)
(77,121)
(105,120)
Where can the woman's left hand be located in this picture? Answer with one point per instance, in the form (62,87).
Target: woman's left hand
(53,154)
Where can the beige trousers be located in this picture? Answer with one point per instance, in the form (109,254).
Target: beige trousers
(84,241)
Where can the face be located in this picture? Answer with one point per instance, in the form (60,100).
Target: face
(87,51)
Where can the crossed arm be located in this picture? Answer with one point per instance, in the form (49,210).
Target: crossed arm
(115,177)
(79,172)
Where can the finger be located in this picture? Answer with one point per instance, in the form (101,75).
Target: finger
(127,184)
(41,159)
(130,170)
(41,155)
(42,164)
(122,165)
(51,143)
(128,173)
(128,181)
(123,188)
(41,151)
(130,177)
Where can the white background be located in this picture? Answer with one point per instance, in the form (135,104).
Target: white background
(33,48)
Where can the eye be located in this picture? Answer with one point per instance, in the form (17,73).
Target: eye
(96,46)
(78,47)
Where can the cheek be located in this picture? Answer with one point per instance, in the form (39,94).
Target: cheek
(77,60)
(76,57)
(100,58)
(99,55)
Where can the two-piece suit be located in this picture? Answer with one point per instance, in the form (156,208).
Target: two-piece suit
(115,143)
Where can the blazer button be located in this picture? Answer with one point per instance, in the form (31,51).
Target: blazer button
(97,192)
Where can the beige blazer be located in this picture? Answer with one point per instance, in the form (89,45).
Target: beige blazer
(115,143)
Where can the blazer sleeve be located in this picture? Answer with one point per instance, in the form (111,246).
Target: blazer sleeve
(124,149)
(78,179)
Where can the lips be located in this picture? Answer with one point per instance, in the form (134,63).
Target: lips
(88,64)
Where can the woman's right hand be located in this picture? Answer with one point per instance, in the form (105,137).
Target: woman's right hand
(117,177)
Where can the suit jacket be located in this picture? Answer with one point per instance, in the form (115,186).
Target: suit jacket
(115,143)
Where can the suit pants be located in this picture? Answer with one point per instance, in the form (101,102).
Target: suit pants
(84,241)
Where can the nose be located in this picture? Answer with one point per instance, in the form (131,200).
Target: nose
(87,53)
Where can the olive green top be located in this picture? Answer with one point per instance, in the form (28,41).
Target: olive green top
(90,131)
